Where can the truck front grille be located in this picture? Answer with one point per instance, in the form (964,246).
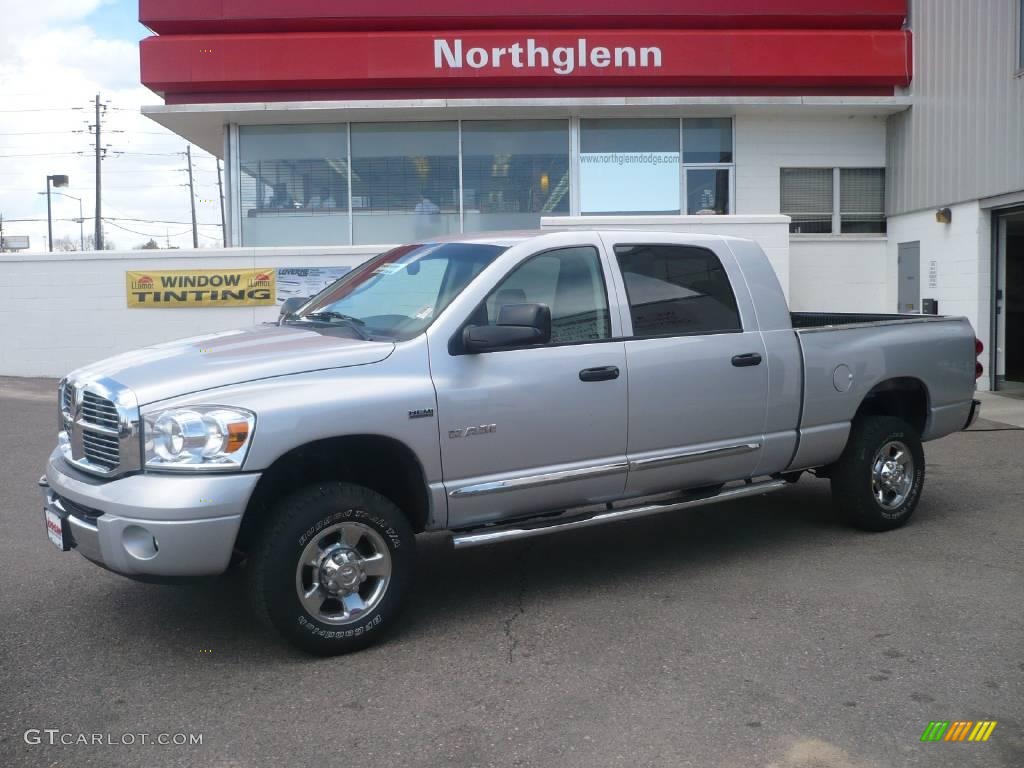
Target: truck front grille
(100,425)
(99,411)
(104,450)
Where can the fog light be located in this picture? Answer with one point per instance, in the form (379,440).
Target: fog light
(139,543)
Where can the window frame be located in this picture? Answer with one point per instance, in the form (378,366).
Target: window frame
(1020,38)
(629,302)
(837,203)
(455,346)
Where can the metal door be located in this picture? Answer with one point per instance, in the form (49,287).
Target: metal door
(909,290)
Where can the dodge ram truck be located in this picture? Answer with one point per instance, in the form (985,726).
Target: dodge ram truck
(496,388)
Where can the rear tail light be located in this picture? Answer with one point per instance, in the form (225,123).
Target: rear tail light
(979,369)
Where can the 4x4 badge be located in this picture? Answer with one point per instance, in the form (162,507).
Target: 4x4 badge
(484,429)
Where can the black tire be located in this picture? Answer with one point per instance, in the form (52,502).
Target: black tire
(853,479)
(297,523)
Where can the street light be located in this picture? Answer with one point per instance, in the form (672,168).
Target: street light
(57,181)
(81,219)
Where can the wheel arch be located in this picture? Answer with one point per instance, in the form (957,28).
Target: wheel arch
(904,397)
(383,464)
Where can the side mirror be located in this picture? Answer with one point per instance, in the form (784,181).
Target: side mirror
(519,325)
(291,306)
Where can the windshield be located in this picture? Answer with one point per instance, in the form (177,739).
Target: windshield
(398,294)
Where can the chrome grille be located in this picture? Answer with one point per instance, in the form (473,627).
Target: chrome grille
(100,427)
(67,398)
(104,450)
(99,411)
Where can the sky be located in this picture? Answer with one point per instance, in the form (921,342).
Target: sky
(55,56)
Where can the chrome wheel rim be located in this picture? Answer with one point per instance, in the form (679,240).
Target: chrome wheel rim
(892,475)
(343,573)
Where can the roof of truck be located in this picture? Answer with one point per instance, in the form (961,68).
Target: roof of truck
(510,238)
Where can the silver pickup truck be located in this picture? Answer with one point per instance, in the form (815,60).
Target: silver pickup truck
(498,388)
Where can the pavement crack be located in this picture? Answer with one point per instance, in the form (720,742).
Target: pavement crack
(511,638)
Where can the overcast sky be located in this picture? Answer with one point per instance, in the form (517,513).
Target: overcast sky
(55,56)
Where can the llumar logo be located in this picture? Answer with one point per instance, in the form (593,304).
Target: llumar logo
(262,280)
(958,730)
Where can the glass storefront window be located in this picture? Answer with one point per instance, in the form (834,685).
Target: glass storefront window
(707,191)
(405,181)
(629,166)
(707,140)
(294,185)
(514,172)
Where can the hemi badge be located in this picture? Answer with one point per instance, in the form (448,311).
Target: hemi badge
(422,413)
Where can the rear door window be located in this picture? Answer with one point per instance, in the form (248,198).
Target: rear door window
(677,290)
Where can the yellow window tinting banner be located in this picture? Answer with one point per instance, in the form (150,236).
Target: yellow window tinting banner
(201,288)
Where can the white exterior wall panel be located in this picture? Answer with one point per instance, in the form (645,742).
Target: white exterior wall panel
(963,139)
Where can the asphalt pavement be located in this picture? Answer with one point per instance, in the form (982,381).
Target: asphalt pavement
(756,634)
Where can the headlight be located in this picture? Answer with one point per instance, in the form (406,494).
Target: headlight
(201,437)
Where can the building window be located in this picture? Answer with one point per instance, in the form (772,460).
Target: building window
(294,185)
(834,200)
(405,181)
(652,166)
(677,290)
(629,166)
(862,201)
(514,172)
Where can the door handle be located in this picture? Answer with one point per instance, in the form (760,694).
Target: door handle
(747,361)
(607,373)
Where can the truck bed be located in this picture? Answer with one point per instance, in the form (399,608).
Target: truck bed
(805,320)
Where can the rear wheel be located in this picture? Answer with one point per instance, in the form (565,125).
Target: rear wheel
(331,571)
(877,481)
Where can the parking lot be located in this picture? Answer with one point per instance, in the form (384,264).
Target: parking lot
(755,634)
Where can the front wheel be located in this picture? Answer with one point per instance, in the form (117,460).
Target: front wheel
(332,568)
(877,481)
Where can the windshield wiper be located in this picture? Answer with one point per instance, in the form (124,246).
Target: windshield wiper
(354,322)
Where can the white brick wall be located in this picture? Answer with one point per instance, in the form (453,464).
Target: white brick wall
(960,251)
(767,143)
(839,274)
(62,311)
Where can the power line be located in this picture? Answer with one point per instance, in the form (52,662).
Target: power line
(41,109)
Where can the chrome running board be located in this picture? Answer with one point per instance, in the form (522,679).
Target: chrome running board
(568,521)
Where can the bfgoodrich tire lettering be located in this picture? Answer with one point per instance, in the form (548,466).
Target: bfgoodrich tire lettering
(877,482)
(365,548)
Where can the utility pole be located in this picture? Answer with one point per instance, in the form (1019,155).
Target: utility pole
(99,179)
(223,218)
(192,198)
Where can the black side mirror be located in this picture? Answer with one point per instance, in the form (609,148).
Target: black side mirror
(291,306)
(519,325)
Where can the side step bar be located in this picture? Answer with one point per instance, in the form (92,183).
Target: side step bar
(540,527)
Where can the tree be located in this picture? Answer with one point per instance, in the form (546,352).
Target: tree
(152,245)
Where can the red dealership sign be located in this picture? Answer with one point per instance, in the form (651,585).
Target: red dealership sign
(232,16)
(232,65)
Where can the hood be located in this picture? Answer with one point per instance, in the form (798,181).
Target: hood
(205,362)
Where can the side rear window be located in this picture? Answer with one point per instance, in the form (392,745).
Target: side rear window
(676,290)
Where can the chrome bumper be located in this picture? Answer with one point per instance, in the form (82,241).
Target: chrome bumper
(150,525)
(974,414)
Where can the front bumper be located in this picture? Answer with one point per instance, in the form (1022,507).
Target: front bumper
(159,525)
